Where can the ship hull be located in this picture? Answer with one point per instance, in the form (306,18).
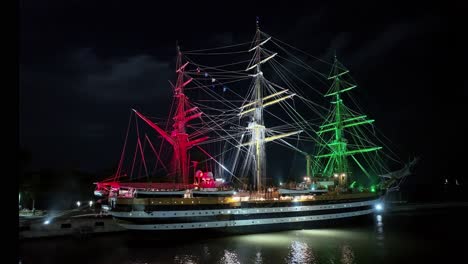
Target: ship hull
(185,235)
(248,217)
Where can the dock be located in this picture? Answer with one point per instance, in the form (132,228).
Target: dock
(78,222)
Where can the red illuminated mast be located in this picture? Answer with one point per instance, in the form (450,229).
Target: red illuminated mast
(178,137)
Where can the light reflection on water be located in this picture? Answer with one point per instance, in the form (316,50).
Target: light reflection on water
(299,246)
(186,259)
(230,257)
(299,252)
(306,246)
(258,258)
(206,251)
(379,235)
(368,243)
(347,254)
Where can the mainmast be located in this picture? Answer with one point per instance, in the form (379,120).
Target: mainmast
(257,125)
(178,137)
(337,164)
(256,107)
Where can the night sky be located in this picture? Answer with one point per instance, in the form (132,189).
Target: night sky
(83,66)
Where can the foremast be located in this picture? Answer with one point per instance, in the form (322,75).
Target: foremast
(337,164)
(179,138)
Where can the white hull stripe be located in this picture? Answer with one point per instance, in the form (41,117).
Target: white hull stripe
(250,222)
(173,213)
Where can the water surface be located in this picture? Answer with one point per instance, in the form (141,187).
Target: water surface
(431,236)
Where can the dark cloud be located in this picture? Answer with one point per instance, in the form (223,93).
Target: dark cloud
(394,35)
(134,79)
(94,131)
(80,95)
(224,39)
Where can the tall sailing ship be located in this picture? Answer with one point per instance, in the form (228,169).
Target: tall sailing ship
(232,190)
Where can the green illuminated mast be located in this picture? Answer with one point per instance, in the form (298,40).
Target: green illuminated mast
(335,151)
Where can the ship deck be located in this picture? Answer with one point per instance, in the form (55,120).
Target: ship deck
(242,199)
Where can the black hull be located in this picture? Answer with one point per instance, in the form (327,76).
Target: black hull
(137,236)
(248,219)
